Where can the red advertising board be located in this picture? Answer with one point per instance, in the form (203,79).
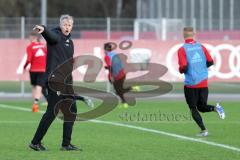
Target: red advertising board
(225,53)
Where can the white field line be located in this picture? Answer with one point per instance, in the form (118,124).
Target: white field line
(129,122)
(142,129)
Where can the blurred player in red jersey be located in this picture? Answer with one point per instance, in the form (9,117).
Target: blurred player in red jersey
(116,74)
(36,56)
(194,60)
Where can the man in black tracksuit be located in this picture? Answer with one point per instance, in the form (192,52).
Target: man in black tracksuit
(60,48)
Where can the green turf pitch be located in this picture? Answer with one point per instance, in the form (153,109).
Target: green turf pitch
(214,87)
(109,142)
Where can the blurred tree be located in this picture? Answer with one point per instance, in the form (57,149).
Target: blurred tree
(17,8)
(77,8)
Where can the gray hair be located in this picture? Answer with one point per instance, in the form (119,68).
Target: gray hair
(65,17)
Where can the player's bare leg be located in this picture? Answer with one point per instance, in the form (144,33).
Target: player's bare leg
(37,93)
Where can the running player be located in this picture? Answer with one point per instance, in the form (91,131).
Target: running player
(36,56)
(194,60)
(116,74)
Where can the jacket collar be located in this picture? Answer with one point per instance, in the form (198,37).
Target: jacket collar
(189,40)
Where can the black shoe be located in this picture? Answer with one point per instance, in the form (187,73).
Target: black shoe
(37,147)
(70,147)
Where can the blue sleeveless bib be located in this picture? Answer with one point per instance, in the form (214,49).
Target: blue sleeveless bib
(197,68)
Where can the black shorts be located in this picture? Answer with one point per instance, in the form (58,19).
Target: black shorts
(37,78)
(118,85)
(196,96)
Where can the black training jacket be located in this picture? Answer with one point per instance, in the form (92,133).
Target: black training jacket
(59,47)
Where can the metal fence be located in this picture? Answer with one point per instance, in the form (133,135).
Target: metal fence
(19,27)
(115,28)
(206,12)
